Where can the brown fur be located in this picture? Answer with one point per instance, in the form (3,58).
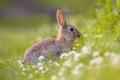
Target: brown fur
(53,46)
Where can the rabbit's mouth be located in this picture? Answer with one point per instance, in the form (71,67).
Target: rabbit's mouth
(79,35)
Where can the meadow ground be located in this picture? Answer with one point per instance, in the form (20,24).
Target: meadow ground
(96,54)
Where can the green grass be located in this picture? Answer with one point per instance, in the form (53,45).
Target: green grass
(96,55)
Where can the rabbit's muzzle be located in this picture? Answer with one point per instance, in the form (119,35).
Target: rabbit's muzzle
(79,34)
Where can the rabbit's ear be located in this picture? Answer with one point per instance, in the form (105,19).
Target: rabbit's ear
(61,18)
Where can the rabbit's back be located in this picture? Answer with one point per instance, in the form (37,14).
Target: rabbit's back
(47,48)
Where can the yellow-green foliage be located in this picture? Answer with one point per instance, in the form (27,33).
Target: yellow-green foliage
(96,55)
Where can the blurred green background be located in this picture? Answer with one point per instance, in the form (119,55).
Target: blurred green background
(24,22)
(27,21)
(36,12)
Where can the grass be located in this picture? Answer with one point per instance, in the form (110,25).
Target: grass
(96,54)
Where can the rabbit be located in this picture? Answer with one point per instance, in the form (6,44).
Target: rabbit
(53,47)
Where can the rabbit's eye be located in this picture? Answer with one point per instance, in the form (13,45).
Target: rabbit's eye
(71,29)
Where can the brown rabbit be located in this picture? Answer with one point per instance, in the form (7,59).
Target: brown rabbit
(53,47)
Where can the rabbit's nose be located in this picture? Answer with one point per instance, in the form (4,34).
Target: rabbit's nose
(79,34)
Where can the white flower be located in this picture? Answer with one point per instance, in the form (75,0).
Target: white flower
(72,52)
(63,56)
(113,55)
(78,45)
(21,64)
(50,61)
(36,72)
(116,61)
(96,61)
(85,50)
(85,35)
(74,48)
(30,76)
(77,56)
(43,72)
(99,36)
(54,77)
(113,58)
(33,66)
(81,65)
(39,64)
(95,54)
(24,69)
(41,68)
(41,58)
(28,66)
(76,72)
(110,55)
(107,54)
(68,63)
(56,63)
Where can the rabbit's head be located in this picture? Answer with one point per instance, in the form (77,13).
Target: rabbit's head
(66,31)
